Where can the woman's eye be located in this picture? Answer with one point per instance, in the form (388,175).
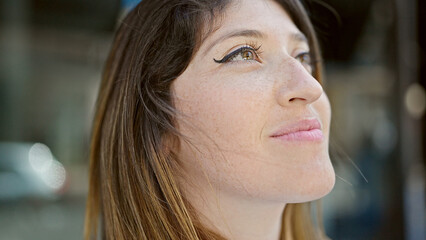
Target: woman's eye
(304,58)
(241,54)
(244,54)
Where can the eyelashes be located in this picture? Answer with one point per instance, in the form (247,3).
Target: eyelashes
(249,52)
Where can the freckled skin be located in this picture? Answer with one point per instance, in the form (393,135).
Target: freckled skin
(235,107)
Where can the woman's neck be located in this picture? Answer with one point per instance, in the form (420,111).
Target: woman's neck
(237,218)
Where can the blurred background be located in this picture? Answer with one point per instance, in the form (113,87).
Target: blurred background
(51,58)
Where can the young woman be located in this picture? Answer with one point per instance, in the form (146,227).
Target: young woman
(211,123)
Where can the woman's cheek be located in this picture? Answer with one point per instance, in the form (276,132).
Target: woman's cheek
(231,111)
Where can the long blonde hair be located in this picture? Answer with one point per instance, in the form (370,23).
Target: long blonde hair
(133,193)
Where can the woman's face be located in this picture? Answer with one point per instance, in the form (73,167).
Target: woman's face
(249,80)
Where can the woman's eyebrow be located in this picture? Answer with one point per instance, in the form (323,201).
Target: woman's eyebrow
(236,33)
(299,37)
(296,37)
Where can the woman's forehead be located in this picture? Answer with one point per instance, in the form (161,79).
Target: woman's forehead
(252,18)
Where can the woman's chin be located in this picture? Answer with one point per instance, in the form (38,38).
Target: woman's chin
(319,184)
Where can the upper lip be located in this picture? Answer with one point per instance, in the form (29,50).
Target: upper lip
(303,125)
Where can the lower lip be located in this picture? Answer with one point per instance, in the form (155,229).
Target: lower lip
(311,135)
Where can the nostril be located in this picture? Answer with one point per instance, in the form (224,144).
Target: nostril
(292,99)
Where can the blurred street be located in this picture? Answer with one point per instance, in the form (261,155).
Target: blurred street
(61,219)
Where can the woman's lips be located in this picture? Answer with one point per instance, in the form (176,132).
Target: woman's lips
(305,130)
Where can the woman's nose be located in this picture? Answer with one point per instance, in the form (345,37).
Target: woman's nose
(297,86)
